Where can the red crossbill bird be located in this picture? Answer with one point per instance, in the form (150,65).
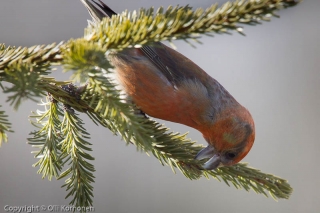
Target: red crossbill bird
(167,85)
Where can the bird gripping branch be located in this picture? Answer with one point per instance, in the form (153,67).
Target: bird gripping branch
(167,85)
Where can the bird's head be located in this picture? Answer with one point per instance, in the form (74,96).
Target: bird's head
(230,138)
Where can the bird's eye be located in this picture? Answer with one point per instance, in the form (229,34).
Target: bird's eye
(230,155)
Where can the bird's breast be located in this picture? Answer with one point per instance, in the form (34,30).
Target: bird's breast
(153,93)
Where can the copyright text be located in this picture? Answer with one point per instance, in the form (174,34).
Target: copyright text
(49,208)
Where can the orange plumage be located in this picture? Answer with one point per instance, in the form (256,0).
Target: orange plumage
(167,85)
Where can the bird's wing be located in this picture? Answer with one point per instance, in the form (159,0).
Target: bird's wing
(174,70)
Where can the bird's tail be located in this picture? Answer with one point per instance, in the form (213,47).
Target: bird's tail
(98,10)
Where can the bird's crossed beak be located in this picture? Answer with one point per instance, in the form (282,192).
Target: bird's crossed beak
(209,152)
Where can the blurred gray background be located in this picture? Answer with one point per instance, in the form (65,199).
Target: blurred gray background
(273,71)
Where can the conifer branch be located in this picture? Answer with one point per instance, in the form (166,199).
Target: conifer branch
(38,55)
(47,138)
(5,126)
(242,176)
(147,26)
(140,28)
(61,142)
(74,149)
(65,141)
(23,80)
